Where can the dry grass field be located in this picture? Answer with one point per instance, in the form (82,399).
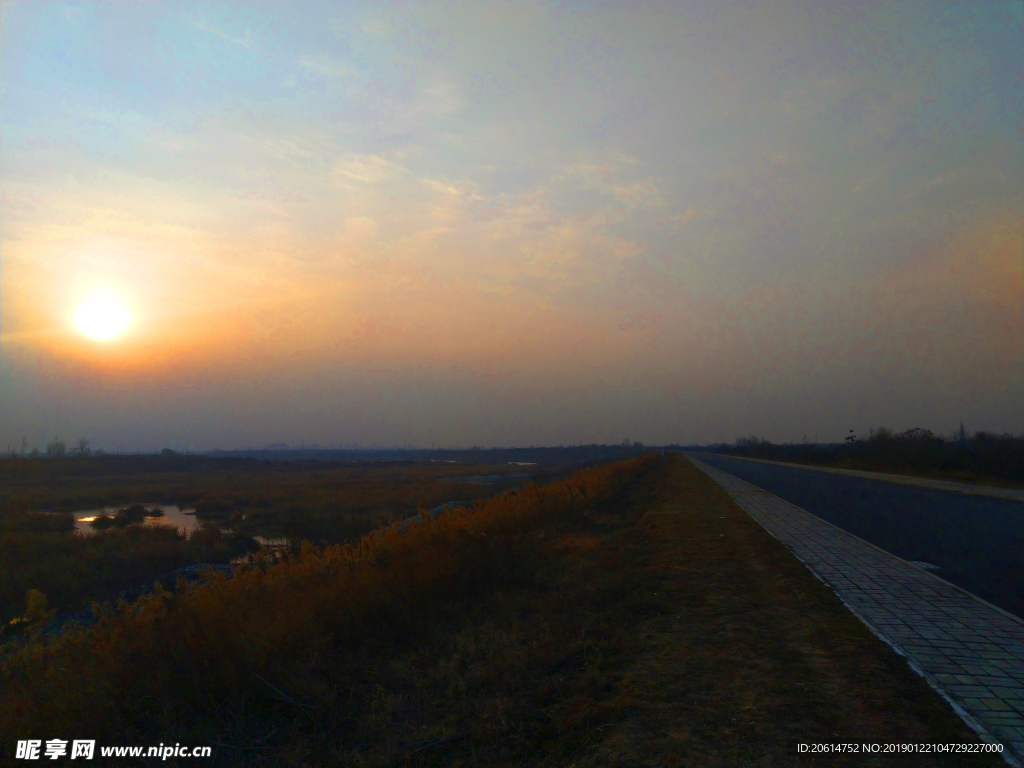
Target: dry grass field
(630,616)
(318,501)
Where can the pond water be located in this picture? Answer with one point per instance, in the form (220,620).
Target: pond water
(183,519)
(483,479)
(271,543)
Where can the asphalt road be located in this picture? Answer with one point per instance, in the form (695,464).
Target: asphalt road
(977,541)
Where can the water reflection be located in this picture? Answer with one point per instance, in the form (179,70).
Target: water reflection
(183,519)
(271,543)
(483,479)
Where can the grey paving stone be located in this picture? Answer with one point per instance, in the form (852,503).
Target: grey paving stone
(1007,720)
(969,691)
(1010,694)
(968,650)
(994,680)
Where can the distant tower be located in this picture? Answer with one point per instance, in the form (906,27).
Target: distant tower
(961,435)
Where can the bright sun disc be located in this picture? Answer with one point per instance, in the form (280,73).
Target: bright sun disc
(102,318)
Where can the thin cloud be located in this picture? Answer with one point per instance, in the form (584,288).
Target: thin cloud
(601,177)
(246,42)
(366,169)
(690,214)
(324,66)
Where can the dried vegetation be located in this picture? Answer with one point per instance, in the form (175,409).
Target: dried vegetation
(629,615)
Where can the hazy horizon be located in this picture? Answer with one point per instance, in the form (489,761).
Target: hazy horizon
(508,224)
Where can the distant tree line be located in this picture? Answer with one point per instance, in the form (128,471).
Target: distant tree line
(983,455)
(580,455)
(56,448)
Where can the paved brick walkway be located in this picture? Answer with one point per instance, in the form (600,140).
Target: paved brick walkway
(968,650)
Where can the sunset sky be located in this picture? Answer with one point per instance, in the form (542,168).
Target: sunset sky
(508,223)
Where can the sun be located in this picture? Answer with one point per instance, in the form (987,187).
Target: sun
(102,317)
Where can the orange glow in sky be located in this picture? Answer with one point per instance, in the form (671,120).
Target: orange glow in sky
(479,222)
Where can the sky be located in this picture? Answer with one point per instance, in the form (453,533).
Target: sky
(492,223)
